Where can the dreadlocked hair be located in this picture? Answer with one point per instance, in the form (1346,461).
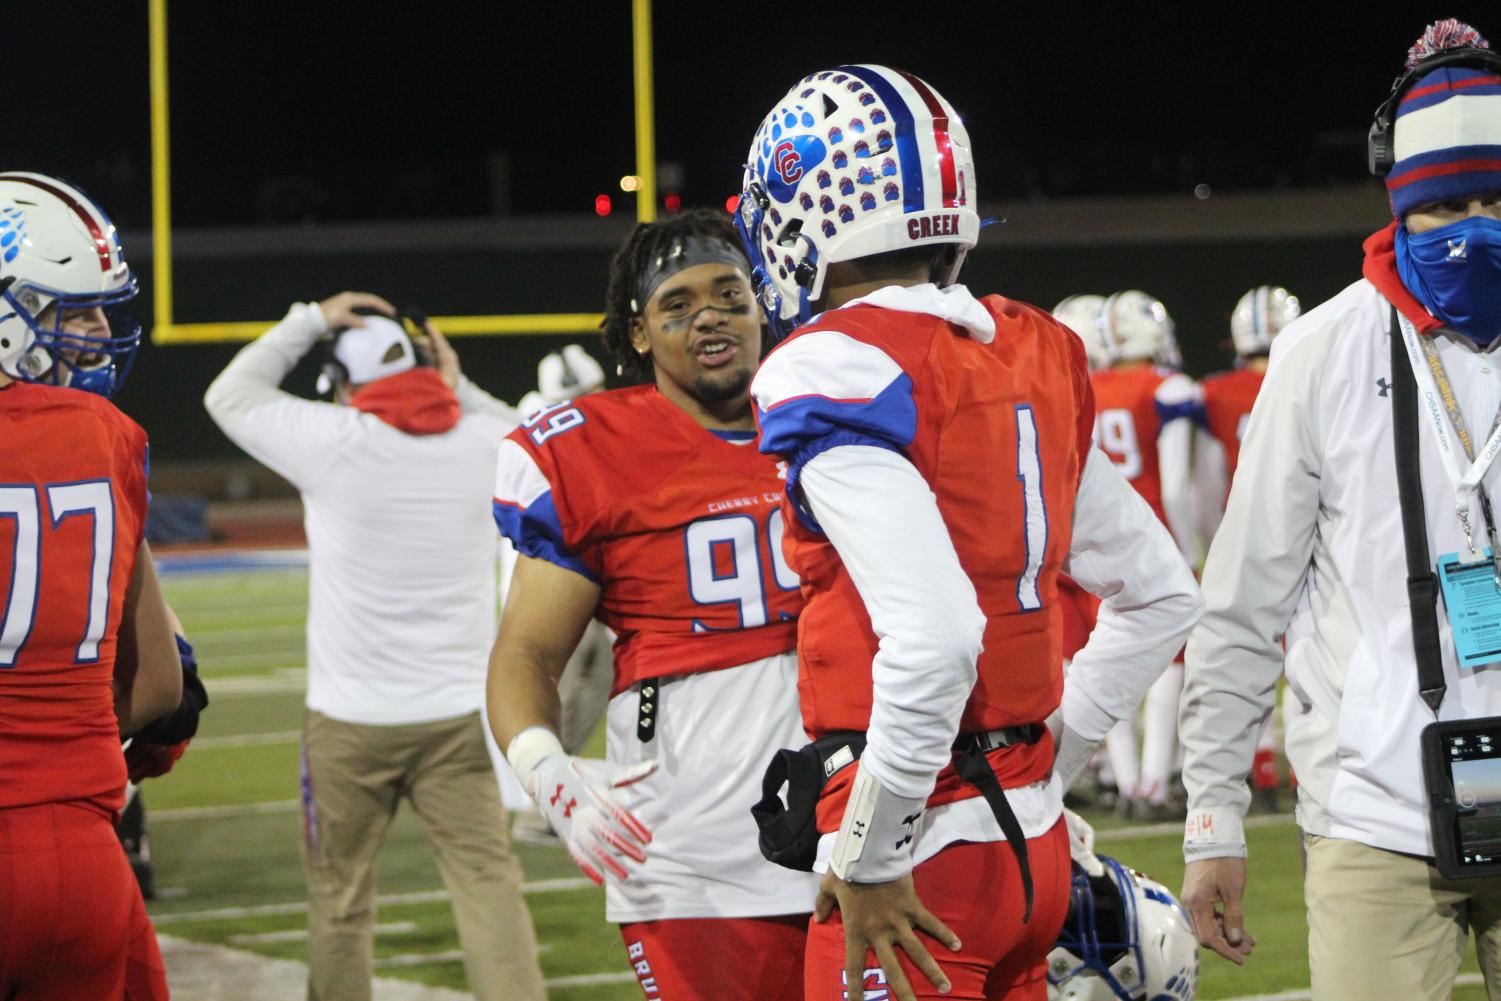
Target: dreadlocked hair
(646,242)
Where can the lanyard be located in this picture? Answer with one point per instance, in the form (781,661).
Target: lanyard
(1437,399)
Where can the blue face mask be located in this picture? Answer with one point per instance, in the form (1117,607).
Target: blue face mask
(1455,271)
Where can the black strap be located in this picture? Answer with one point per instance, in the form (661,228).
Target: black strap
(1422,583)
(646,710)
(973,768)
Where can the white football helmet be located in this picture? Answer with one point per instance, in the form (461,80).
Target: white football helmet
(1259,316)
(563,375)
(1138,328)
(61,250)
(1081,314)
(1126,938)
(854,161)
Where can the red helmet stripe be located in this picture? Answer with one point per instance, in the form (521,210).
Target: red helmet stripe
(940,138)
(101,243)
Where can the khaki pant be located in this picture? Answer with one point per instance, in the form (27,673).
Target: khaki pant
(352,779)
(1386,925)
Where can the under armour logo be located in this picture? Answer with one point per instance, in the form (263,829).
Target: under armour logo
(909,823)
(858,831)
(568,806)
(1384,386)
(1457,249)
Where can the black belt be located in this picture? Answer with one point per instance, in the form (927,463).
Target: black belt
(1006,736)
(789,835)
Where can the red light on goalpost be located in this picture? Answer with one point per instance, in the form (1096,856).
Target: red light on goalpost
(731,202)
(672,203)
(602,205)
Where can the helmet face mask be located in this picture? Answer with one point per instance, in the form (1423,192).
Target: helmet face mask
(63,257)
(1126,938)
(854,161)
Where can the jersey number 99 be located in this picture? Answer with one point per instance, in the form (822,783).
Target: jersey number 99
(724,564)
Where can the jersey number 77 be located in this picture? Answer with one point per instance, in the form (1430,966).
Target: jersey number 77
(22,505)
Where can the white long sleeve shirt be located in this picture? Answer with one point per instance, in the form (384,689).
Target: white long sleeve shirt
(402,589)
(1311,548)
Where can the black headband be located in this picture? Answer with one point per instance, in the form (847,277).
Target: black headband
(681,255)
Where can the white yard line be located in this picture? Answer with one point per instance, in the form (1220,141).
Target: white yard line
(1140,831)
(592,979)
(226,811)
(246,740)
(301,934)
(286,678)
(385,900)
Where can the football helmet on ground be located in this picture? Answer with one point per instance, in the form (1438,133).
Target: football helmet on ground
(1126,938)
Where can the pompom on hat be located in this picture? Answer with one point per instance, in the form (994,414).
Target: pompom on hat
(1446,125)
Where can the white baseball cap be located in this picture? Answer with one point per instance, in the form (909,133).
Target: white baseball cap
(378,349)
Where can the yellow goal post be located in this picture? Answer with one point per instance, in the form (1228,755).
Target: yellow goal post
(167,331)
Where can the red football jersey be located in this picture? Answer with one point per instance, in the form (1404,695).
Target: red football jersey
(72,513)
(1127,424)
(1000,432)
(681,528)
(1228,398)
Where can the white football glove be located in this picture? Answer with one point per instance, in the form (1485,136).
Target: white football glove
(577,796)
(1081,843)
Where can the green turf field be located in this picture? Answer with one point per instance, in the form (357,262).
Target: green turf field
(225,830)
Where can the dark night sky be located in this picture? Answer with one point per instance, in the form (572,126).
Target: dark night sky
(322,110)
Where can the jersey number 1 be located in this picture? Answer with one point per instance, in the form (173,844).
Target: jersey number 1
(22,505)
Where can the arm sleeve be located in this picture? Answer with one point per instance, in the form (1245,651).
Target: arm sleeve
(929,625)
(1123,554)
(286,433)
(474,400)
(824,390)
(1178,402)
(1256,570)
(527,514)
(1211,480)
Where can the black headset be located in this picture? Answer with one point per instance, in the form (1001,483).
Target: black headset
(1380,148)
(413,323)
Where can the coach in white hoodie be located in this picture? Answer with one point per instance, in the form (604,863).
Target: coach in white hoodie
(395,479)
(1311,548)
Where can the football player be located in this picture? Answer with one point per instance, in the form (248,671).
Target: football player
(86,643)
(1144,423)
(1259,317)
(650,509)
(939,478)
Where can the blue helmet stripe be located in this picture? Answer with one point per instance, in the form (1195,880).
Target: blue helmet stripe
(904,131)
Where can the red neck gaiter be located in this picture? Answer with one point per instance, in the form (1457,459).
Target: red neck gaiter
(416,401)
(1380,269)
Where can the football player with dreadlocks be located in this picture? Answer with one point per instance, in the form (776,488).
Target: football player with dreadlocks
(86,640)
(650,509)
